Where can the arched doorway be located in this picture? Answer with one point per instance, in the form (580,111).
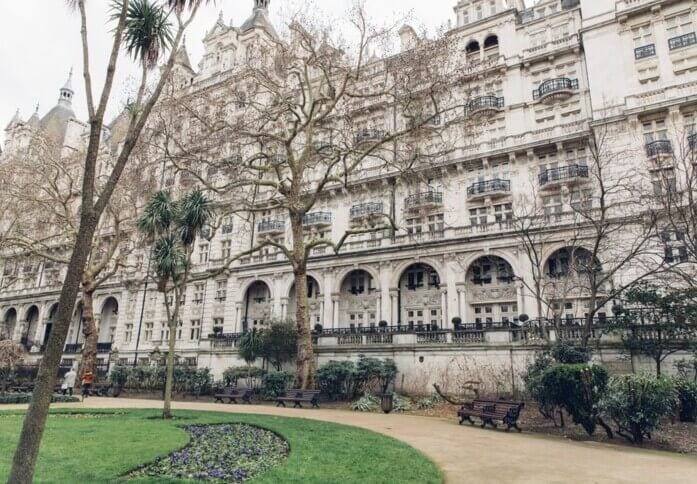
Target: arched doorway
(568,272)
(9,323)
(490,294)
(358,300)
(106,331)
(419,298)
(31,323)
(49,323)
(258,306)
(313,300)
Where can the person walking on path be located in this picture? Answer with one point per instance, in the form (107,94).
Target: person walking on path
(87,380)
(69,382)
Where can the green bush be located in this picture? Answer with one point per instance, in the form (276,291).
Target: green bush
(533,383)
(570,353)
(275,384)
(279,343)
(235,373)
(367,403)
(636,404)
(119,375)
(577,389)
(337,379)
(18,398)
(374,374)
(687,398)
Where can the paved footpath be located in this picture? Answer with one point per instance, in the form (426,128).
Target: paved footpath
(471,455)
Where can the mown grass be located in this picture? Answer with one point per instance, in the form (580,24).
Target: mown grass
(103,448)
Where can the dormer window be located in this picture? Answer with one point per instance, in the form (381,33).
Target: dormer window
(480,12)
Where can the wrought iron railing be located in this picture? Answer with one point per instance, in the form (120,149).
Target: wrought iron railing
(424,198)
(563,173)
(682,41)
(72,348)
(271,226)
(363,209)
(551,86)
(488,186)
(317,218)
(659,147)
(484,102)
(104,347)
(645,51)
(370,135)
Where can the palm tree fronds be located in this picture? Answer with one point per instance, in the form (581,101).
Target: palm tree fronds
(148,31)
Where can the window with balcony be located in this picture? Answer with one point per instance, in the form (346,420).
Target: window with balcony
(218,325)
(539,38)
(675,250)
(663,181)
(680,31)
(643,42)
(656,138)
(360,281)
(195,330)
(503,213)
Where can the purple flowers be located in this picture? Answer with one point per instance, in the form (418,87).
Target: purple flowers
(221,453)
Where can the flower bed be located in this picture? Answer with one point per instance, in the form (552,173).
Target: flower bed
(221,453)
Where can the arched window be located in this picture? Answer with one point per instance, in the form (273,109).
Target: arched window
(491,41)
(472,47)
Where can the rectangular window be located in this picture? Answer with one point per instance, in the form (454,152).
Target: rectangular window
(180,329)
(128,334)
(199,289)
(202,253)
(226,227)
(218,325)
(479,216)
(195,333)
(225,249)
(221,290)
(503,213)
(147,332)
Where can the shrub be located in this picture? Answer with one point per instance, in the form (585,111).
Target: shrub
(233,374)
(457,322)
(318,328)
(576,389)
(687,398)
(400,403)
(523,317)
(569,353)
(375,374)
(275,384)
(279,343)
(337,379)
(367,403)
(636,404)
(533,383)
(429,402)
(119,375)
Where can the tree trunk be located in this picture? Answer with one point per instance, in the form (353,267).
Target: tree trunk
(167,409)
(89,331)
(24,460)
(305,371)
(658,367)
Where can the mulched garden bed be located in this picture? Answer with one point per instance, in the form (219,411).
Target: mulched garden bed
(220,453)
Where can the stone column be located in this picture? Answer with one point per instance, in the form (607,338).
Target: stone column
(520,298)
(394,313)
(336,297)
(461,301)
(237,323)
(445,323)
(284,308)
(321,309)
(378,309)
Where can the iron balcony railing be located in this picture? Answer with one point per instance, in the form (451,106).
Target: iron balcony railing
(423,198)
(563,173)
(363,209)
(554,85)
(315,218)
(370,135)
(73,348)
(682,41)
(485,102)
(692,141)
(271,226)
(645,51)
(488,186)
(104,347)
(659,147)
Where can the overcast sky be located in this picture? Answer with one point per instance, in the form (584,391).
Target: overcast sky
(39,43)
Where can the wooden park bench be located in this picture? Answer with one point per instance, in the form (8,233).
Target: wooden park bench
(232,394)
(489,411)
(298,396)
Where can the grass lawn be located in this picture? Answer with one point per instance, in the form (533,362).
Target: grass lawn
(101,448)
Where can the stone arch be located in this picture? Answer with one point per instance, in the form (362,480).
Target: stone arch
(313,299)
(9,323)
(491,295)
(291,284)
(108,318)
(472,47)
(52,310)
(491,40)
(399,270)
(245,286)
(341,276)
(564,258)
(31,324)
(358,298)
(419,296)
(257,300)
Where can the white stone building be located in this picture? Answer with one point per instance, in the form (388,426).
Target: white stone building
(560,70)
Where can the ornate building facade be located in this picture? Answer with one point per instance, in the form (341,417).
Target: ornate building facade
(548,75)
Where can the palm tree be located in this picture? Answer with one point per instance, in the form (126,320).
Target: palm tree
(148,31)
(250,348)
(172,227)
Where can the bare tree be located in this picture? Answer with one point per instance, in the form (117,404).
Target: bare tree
(94,198)
(309,115)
